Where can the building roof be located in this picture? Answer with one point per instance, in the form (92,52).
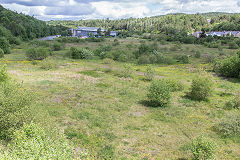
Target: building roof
(91,29)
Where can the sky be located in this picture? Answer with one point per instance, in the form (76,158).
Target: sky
(115,9)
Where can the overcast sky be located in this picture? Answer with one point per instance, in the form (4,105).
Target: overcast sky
(115,9)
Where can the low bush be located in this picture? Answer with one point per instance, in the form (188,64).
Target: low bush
(127,71)
(203,148)
(183,59)
(1,53)
(234,103)
(58,46)
(175,85)
(149,74)
(197,54)
(229,67)
(38,53)
(15,108)
(31,142)
(229,126)
(159,93)
(48,64)
(115,42)
(202,87)
(80,53)
(3,74)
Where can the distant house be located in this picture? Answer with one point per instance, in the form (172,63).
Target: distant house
(85,32)
(224,34)
(197,34)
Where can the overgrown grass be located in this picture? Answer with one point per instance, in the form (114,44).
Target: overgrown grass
(104,114)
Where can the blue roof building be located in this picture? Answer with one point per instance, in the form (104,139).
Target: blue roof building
(85,32)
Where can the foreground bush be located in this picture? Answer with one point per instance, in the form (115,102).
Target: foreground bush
(202,87)
(229,125)
(15,109)
(159,93)
(39,53)
(203,148)
(31,142)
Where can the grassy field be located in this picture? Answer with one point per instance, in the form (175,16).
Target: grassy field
(105,114)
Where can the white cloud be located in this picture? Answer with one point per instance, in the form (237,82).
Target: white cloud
(114,9)
(120,10)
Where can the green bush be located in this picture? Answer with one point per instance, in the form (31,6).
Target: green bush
(229,126)
(144,59)
(197,54)
(202,87)
(234,103)
(38,53)
(77,53)
(15,108)
(233,45)
(58,46)
(159,93)
(3,74)
(127,71)
(229,67)
(183,59)
(116,42)
(203,148)
(31,142)
(175,85)
(149,74)
(4,45)
(48,64)
(1,53)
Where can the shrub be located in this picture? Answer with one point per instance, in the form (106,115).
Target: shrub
(38,53)
(3,74)
(116,42)
(149,74)
(106,48)
(31,142)
(4,45)
(229,67)
(234,103)
(201,88)
(1,53)
(229,125)
(58,46)
(48,64)
(82,53)
(203,148)
(143,59)
(233,45)
(159,93)
(197,54)
(108,61)
(127,71)
(183,59)
(175,85)
(15,108)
